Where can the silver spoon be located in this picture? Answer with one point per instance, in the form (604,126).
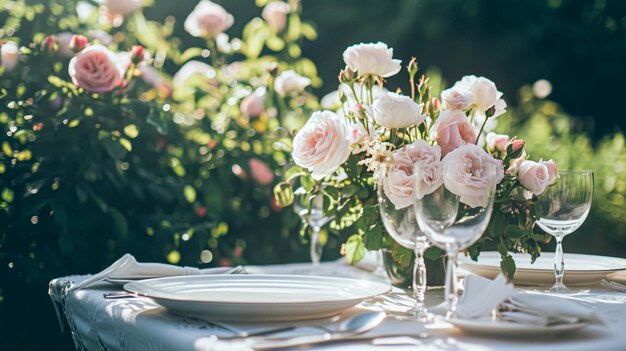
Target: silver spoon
(351,327)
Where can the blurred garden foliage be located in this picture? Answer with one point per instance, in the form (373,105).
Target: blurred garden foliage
(169,170)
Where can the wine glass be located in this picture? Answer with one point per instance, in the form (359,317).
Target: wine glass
(564,207)
(402,226)
(310,210)
(452,226)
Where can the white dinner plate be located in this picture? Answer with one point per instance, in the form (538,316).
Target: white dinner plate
(580,270)
(488,326)
(257,297)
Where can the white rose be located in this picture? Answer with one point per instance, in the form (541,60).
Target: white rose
(122,7)
(253,104)
(392,110)
(472,174)
(322,145)
(482,89)
(289,82)
(456,99)
(371,59)
(358,135)
(275,14)
(399,182)
(190,69)
(208,19)
(533,176)
(10,55)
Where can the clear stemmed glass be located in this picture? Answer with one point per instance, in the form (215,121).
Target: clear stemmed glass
(564,207)
(313,215)
(452,226)
(402,227)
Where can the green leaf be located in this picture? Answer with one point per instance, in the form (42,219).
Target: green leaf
(373,238)
(131,131)
(433,253)
(283,193)
(507,265)
(126,144)
(189,54)
(190,193)
(121,225)
(114,149)
(371,214)
(355,249)
(402,255)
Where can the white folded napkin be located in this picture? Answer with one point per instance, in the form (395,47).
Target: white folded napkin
(547,309)
(127,267)
(481,295)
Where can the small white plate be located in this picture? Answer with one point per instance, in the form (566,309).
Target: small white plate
(257,297)
(580,270)
(492,327)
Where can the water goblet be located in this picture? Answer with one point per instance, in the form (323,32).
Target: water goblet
(564,207)
(402,226)
(452,226)
(310,210)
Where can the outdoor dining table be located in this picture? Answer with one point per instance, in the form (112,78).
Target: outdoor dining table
(139,323)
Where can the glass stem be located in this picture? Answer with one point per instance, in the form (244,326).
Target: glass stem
(559,262)
(316,247)
(451,290)
(419,280)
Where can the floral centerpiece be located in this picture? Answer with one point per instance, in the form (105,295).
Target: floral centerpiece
(339,153)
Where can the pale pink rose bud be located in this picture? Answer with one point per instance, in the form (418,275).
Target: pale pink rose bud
(552,170)
(137,54)
(49,44)
(497,142)
(533,176)
(254,104)
(96,69)
(78,43)
(208,19)
(10,55)
(472,174)
(260,171)
(323,144)
(436,104)
(275,14)
(515,148)
(451,130)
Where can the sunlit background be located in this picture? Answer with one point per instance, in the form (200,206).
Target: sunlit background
(561,65)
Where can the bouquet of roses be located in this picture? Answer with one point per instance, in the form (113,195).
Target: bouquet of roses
(339,154)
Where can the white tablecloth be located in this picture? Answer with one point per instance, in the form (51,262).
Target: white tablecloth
(139,323)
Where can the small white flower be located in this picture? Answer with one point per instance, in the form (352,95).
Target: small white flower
(289,82)
(275,14)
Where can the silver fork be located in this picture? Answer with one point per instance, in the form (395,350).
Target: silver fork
(613,285)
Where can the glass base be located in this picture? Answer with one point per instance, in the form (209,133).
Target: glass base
(561,289)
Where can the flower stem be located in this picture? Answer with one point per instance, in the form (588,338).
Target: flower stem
(482,127)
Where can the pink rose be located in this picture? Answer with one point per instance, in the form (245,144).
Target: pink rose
(456,99)
(275,14)
(322,145)
(497,142)
(451,130)
(472,174)
(552,170)
(514,165)
(399,183)
(534,177)
(260,171)
(358,134)
(253,104)
(96,69)
(208,19)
